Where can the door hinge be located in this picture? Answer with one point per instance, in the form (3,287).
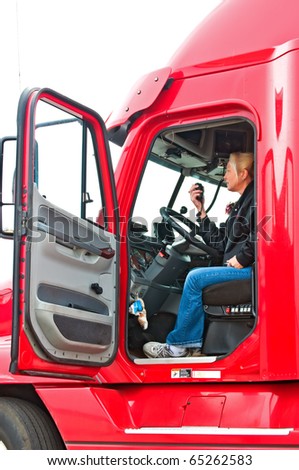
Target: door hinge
(24,221)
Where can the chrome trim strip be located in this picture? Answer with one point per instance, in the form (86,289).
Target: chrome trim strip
(176,360)
(212,430)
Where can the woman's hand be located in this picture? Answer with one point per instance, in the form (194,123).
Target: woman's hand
(234,263)
(195,194)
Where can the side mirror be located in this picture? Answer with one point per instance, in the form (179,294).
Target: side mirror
(8,146)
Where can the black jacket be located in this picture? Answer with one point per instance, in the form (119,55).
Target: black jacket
(236,236)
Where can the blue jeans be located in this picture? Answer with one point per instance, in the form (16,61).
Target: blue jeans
(189,327)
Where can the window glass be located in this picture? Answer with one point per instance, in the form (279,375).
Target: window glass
(155,191)
(65,169)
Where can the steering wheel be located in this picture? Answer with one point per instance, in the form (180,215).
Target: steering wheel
(169,215)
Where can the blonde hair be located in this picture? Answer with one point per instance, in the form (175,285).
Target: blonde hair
(243,161)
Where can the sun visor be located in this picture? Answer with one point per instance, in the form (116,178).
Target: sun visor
(141,96)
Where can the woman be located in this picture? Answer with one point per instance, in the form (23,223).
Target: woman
(233,240)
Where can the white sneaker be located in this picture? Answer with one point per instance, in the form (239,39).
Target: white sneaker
(155,350)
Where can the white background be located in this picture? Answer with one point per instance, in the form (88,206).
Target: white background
(90,50)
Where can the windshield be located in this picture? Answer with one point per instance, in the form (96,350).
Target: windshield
(156,189)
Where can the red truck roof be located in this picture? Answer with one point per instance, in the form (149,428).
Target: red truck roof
(237,32)
(262,32)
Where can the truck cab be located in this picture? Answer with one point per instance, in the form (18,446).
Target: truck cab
(89,241)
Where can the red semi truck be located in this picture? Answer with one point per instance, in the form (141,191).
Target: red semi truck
(88,240)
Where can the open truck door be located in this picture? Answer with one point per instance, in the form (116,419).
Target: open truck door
(65,240)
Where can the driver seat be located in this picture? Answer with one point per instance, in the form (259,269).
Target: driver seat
(229,316)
